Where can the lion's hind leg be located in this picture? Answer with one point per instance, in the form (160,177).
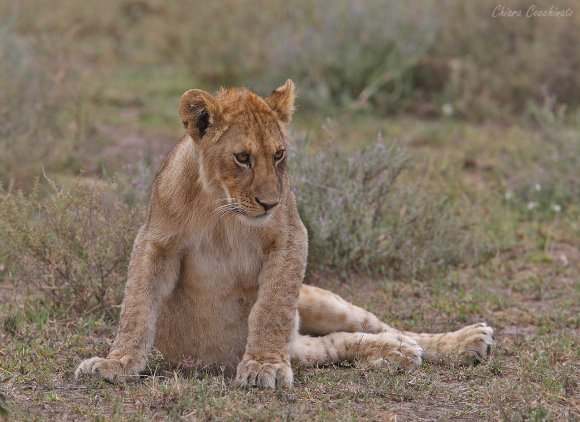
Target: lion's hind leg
(323,312)
(472,343)
(373,349)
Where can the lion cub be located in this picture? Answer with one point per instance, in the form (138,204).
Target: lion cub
(216,269)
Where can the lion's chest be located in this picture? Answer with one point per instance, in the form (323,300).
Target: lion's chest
(217,255)
(223,269)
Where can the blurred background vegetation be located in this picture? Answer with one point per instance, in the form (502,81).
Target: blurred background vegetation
(72,78)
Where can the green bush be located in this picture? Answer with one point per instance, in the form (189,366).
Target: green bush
(362,215)
(72,245)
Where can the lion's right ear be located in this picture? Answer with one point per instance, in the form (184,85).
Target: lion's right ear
(198,111)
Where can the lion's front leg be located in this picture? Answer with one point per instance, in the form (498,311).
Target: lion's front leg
(152,276)
(272,324)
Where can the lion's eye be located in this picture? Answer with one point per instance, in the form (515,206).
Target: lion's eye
(279,155)
(242,158)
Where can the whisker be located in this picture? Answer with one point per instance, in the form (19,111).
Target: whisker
(221,211)
(227,209)
(228,212)
(217,201)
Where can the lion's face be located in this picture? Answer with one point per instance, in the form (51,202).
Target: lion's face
(249,164)
(242,147)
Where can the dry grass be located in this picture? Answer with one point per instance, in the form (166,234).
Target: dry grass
(532,374)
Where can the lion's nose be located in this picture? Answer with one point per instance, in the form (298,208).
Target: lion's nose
(267,205)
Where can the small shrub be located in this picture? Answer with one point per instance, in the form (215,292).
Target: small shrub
(134,182)
(3,410)
(546,181)
(71,245)
(361,214)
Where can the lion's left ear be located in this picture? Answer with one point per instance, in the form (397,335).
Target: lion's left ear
(281,101)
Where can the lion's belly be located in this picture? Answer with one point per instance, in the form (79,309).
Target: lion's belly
(205,320)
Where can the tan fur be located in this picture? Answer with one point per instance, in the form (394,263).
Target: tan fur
(216,270)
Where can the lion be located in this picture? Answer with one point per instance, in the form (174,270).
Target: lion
(216,272)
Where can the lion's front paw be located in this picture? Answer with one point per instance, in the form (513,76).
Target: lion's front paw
(263,374)
(474,342)
(110,369)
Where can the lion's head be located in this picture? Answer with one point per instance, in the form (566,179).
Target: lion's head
(241,142)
